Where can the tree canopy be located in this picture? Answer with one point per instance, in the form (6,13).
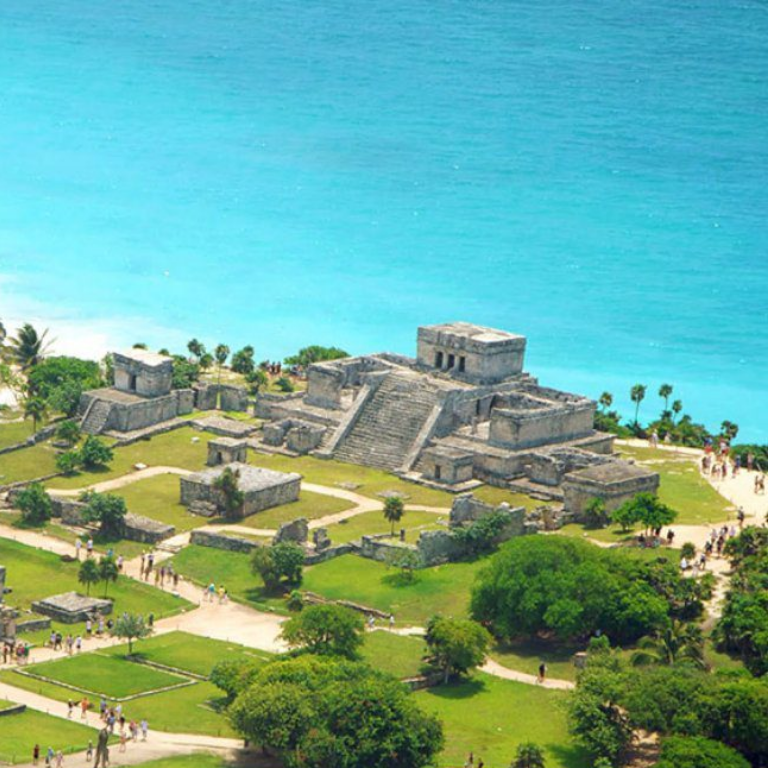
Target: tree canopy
(573,589)
(321,712)
(35,504)
(109,511)
(315,354)
(328,630)
(279,565)
(456,646)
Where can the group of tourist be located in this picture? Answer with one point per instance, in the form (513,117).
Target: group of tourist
(211,594)
(16,652)
(162,574)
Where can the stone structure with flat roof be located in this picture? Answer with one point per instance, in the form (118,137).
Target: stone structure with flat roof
(463,411)
(72,607)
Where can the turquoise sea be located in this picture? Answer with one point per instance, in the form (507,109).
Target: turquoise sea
(282,172)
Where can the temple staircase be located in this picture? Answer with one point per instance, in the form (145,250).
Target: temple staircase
(390,421)
(95,417)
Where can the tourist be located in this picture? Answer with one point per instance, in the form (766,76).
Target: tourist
(89,547)
(144,728)
(740,517)
(134,729)
(120,562)
(101,625)
(35,754)
(70,708)
(211,592)
(670,537)
(391,622)
(78,547)
(70,644)
(89,751)
(175,580)
(88,627)
(122,741)
(79,643)
(654,439)
(84,705)
(59,759)
(683,563)
(49,757)
(542,672)
(470,761)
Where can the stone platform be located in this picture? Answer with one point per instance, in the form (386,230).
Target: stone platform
(71,607)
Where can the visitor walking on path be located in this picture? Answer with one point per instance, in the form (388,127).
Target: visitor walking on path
(542,672)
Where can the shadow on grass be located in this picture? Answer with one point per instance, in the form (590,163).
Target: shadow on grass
(400,580)
(458,689)
(569,756)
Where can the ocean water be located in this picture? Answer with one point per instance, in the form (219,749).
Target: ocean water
(285,172)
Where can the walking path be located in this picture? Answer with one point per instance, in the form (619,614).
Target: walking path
(120,482)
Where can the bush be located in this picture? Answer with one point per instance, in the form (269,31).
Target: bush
(233,676)
(319,712)
(481,535)
(279,565)
(109,511)
(646,509)
(68,431)
(315,354)
(456,646)
(327,630)
(68,462)
(571,588)
(698,752)
(95,453)
(35,505)
(284,384)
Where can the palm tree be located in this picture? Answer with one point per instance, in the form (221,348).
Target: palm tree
(677,642)
(665,390)
(637,395)
(677,406)
(35,408)
(221,353)
(28,348)
(729,429)
(393,511)
(3,333)
(196,348)
(606,400)
(108,571)
(89,574)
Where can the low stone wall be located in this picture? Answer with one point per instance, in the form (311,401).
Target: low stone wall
(222,541)
(322,556)
(14,709)
(312,598)
(146,530)
(33,625)
(148,432)
(38,437)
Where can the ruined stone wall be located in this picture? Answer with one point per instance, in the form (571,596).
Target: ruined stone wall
(578,493)
(519,429)
(126,417)
(151,381)
(193,492)
(222,541)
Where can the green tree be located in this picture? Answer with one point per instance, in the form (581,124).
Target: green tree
(595,515)
(196,349)
(729,430)
(284,384)
(318,712)
(677,642)
(68,462)
(637,395)
(131,627)
(606,401)
(529,755)
(35,408)
(315,354)
(677,407)
(184,372)
(394,509)
(228,486)
(644,508)
(279,565)
(68,432)
(206,361)
(28,347)
(242,360)
(89,574)
(327,630)
(233,676)
(109,511)
(95,453)
(407,560)
(258,380)
(698,752)
(35,505)
(60,380)
(456,646)
(221,353)
(108,572)
(665,392)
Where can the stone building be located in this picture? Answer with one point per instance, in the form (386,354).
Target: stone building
(142,395)
(262,489)
(464,411)
(227,450)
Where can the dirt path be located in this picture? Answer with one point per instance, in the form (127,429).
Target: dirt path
(121,482)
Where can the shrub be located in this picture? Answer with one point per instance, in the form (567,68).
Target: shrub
(328,630)
(68,431)
(68,462)
(279,565)
(698,752)
(109,511)
(95,453)
(481,535)
(456,646)
(35,505)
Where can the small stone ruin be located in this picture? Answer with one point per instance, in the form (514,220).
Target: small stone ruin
(71,607)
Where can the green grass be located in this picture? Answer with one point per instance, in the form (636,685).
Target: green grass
(28,463)
(442,589)
(184,651)
(400,656)
(34,574)
(373,522)
(158,497)
(20,733)
(492,495)
(230,569)
(370,481)
(526,655)
(14,432)
(491,717)
(682,486)
(193,709)
(195,760)
(310,505)
(172,449)
(108,675)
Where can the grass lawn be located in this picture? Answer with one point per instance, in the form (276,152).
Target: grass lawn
(193,709)
(20,733)
(28,463)
(442,589)
(172,449)
(490,494)
(230,569)
(14,432)
(34,574)
(158,497)
(370,481)
(400,656)
(310,505)
(526,655)
(373,522)
(109,675)
(195,760)
(187,652)
(491,717)
(682,486)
